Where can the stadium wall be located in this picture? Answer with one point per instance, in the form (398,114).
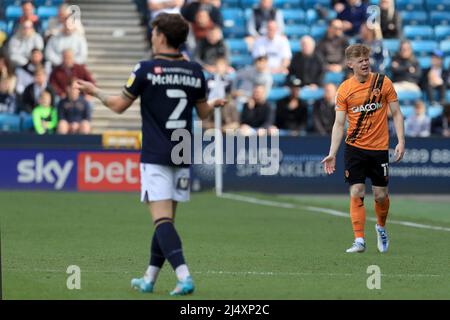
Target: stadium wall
(82,165)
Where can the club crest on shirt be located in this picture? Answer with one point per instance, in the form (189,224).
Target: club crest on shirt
(376,92)
(157,70)
(131,80)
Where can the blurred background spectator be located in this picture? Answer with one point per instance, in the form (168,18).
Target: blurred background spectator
(259,19)
(323,111)
(56,24)
(405,68)
(209,49)
(190,10)
(7,71)
(332,46)
(45,116)
(7,100)
(434,79)
(418,124)
(25,74)
(353,16)
(23,42)
(33,91)
(28,13)
(256,116)
(390,20)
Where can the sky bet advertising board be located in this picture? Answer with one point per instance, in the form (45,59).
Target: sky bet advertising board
(424,169)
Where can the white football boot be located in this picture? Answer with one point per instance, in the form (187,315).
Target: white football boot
(357,246)
(382,239)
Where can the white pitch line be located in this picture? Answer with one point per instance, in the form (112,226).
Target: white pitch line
(331,212)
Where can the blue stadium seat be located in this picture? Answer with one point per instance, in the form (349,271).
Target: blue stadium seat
(392,45)
(442,32)
(409,5)
(312,4)
(27,123)
(230,4)
(414,17)
(9,122)
(423,47)
(424,62)
(447,95)
(293,16)
(333,77)
(236,31)
(408,97)
(418,32)
(237,46)
(447,64)
(3,26)
(295,46)
(233,16)
(13,12)
(296,31)
(439,17)
(318,31)
(438,5)
(434,111)
(312,17)
(278,93)
(39,3)
(311,94)
(7,3)
(47,12)
(249,3)
(445,46)
(287,4)
(279,79)
(407,110)
(240,61)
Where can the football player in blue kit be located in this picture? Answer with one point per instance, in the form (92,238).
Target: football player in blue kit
(169,87)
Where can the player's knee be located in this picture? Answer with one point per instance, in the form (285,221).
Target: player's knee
(357,191)
(380,196)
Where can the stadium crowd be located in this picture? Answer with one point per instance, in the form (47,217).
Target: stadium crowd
(278,62)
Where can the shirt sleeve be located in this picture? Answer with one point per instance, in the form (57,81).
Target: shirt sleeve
(202,91)
(135,84)
(341,99)
(391,95)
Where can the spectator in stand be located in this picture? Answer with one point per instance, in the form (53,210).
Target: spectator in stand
(7,100)
(372,37)
(45,116)
(32,92)
(292,112)
(56,24)
(190,10)
(28,14)
(23,42)
(62,75)
(202,25)
(418,124)
(332,47)
(260,17)
(434,78)
(445,124)
(256,116)
(67,39)
(405,69)
(323,111)
(25,74)
(7,71)
(307,65)
(74,112)
(209,49)
(276,47)
(390,21)
(168,6)
(247,78)
(353,16)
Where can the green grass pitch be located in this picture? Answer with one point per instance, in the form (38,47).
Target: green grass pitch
(235,250)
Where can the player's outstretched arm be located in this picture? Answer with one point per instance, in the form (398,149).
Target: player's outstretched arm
(397,116)
(329,162)
(205,108)
(117,103)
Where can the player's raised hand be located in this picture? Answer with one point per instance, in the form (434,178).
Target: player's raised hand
(329,164)
(399,152)
(86,87)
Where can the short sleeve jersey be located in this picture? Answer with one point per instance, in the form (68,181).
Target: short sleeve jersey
(169,90)
(367,106)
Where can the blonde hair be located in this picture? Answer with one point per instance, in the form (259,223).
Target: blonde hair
(357,50)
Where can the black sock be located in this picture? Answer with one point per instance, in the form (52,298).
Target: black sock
(156,255)
(170,243)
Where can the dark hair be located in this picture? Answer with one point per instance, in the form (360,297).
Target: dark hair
(173,27)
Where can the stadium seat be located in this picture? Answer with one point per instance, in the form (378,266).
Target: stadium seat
(278,93)
(311,94)
(287,4)
(434,111)
(438,5)
(407,110)
(293,16)
(295,46)
(26,123)
(333,77)
(249,3)
(312,17)
(3,26)
(442,32)
(447,64)
(6,3)
(240,61)
(9,122)
(408,97)
(13,12)
(279,79)
(47,12)
(424,62)
(230,4)
(414,17)
(312,4)
(236,31)
(39,3)
(237,46)
(447,95)
(418,32)
(392,45)
(439,17)
(233,16)
(318,31)
(445,46)
(296,31)
(423,47)
(409,5)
